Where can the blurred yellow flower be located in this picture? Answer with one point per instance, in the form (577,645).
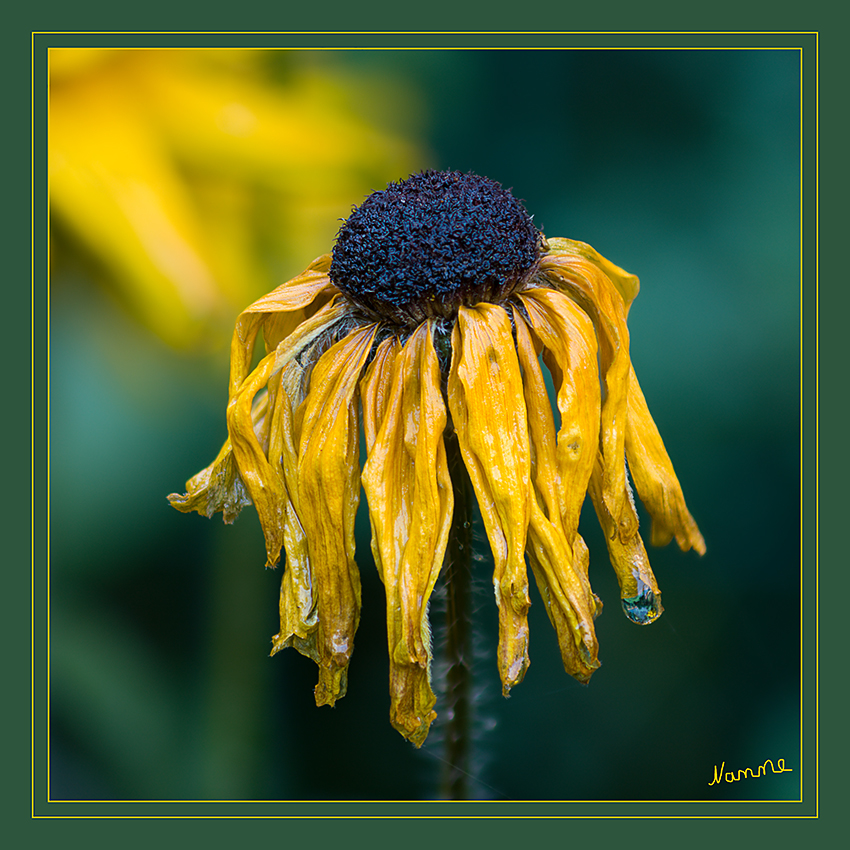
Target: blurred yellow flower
(431,317)
(191,175)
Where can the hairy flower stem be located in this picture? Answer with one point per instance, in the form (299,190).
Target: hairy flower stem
(458,649)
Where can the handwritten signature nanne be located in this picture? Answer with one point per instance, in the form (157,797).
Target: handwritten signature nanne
(747,772)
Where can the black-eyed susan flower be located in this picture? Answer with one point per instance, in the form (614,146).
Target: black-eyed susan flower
(431,317)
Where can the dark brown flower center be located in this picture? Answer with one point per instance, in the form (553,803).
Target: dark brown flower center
(422,247)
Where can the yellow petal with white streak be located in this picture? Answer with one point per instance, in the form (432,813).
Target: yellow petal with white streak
(407,484)
(488,411)
(329,491)
(298,610)
(566,592)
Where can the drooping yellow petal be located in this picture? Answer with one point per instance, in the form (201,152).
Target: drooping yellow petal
(626,284)
(653,473)
(639,594)
(407,484)
(297,292)
(264,480)
(377,386)
(329,491)
(219,486)
(594,292)
(569,343)
(277,314)
(488,411)
(298,611)
(566,592)
(655,480)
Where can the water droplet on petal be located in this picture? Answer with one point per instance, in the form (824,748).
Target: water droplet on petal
(645,608)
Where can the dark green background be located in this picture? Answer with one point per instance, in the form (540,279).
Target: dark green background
(682,166)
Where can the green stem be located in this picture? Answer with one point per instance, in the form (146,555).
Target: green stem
(458,579)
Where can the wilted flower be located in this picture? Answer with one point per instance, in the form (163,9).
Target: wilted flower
(430,317)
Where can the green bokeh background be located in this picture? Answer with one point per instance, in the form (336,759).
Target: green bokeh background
(681,166)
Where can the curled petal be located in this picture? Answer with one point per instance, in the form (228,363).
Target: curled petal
(264,480)
(488,411)
(569,351)
(565,590)
(407,484)
(278,313)
(329,491)
(655,480)
(639,594)
(261,479)
(376,388)
(297,292)
(222,485)
(218,487)
(562,587)
(298,610)
(578,653)
(594,292)
(626,284)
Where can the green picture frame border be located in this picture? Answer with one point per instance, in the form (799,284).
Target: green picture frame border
(807,44)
